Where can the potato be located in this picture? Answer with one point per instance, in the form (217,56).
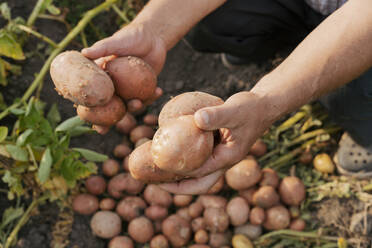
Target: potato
(141,142)
(292,191)
(140,132)
(277,218)
(142,167)
(323,163)
(154,195)
(107,204)
(258,149)
(217,187)
(297,224)
(216,219)
(247,194)
(199,246)
(134,186)
(177,230)
(201,237)
(105,115)
(155,212)
(184,213)
(150,119)
(182,200)
(195,209)
(306,157)
(81,80)
(126,124)
(197,224)
(217,240)
(249,230)
(133,78)
(85,204)
(124,182)
(122,150)
(121,242)
(269,178)
(266,197)
(95,185)
(105,224)
(110,167)
(244,174)
(179,146)
(186,104)
(125,164)
(212,201)
(241,241)
(131,207)
(141,230)
(238,211)
(257,216)
(157,226)
(159,241)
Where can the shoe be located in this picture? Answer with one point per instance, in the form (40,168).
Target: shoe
(352,159)
(231,61)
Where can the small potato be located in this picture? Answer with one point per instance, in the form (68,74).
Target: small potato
(107,204)
(141,230)
(124,182)
(216,219)
(105,224)
(110,168)
(306,157)
(95,185)
(257,216)
(241,241)
(212,201)
(201,237)
(297,224)
(292,191)
(177,230)
(182,200)
(141,142)
(154,195)
(122,150)
(184,213)
(125,164)
(247,194)
(150,119)
(199,246)
(244,174)
(186,104)
(217,240)
(197,224)
(133,78)
(258,149)
(238,211)
(85,204)
(130,208)
(277,218)
(251,231)
(179,146)
(217,187)
(134,186)
(126,124)
(159,241)
(81,80)
(323,163)
(266,197)
(106,115)
(140,132)
(121,242)
(143,168)
(195,210)
(269,178)
(155,212)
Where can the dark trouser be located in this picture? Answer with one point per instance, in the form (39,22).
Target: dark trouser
(257,29)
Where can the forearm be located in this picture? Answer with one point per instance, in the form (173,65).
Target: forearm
(336,52)
(172,19)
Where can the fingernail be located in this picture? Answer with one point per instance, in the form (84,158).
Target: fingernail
(85,50)
(204,117)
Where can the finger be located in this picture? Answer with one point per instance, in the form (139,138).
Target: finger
(193,186)
(213,118)
(105,47)
(101,129)
(134,105)
(158,93)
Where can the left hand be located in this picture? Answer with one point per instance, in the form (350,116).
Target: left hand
(241,120)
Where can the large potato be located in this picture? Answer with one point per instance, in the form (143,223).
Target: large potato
(105,115)
(179,146)
(81,80)
(105,224)
(186,104)
(133,78)
(177,230)
(244,174)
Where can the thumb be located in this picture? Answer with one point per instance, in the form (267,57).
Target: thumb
(105,47)
(213,118)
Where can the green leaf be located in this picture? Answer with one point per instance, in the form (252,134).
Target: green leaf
(69,124)
(79,130)
(53,115)
(17,111)
(10,215)
(45,166)
(3,73)
(53,9)
(91,155)
(21,140)
(5,11)
(3,133)
(10,47)
(2,102)
(17,153)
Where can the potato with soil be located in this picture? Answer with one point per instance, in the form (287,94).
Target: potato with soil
(244,174)
(238,211)
(218,240)
(184,213)
(177,230)
(81,80)
(292,191)
(95,185)
(107,204)
(266,197)
(85,204)
(247,194)
(140,132)
(197,224)
(216,219)
(258,149)
(121,242)
(110,168)
(201,237)
(241,241)
(269,178)
(133,78)
(195,209)
(154,195)
(212,201)
(249,230)
(124,182)
(106,224)
(182,200)
(156,212)
(257,216)
(141,230)
(126,124)
(122,150)
(131,207)
(159,241)
(297,224)
(277,218)
(151,119)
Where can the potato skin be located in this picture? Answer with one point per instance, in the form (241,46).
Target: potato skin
(133,78)
(269,178)
(110,168)
(297,224)
(107,204)
(156,212)
(121,242)
(180,146)
(249,230)
(257,216)
(85,204)
(217,240)
(266,197)
(238,211)
(292,191)
(277,218)
(201,237)
(140,132)
(159,241)
(177,230)
(212,201)
(195,209)
(106,224)
(105,115)
(217,187)
(124,182)
(95,185)
(126,124)
(186,104)
(154,195)
(216,220)
(131,207)
(244,174)
(182,200)
(197,224)
(141,230)
(81,80)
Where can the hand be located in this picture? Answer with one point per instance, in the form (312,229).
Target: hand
(241,121)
